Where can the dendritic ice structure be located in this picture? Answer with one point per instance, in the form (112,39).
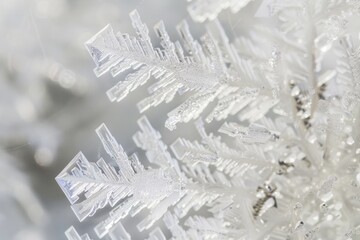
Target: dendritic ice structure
(92,186)
(210,70)
(284,163)
(202,10)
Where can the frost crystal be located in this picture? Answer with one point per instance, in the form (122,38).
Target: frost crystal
(201,10)
(72,234)
(199,67)
(284,161)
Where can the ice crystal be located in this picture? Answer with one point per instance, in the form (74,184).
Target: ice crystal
(201,10)
(286,168)
(72,234)
(201,68)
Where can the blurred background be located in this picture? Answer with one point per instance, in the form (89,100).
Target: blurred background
(51,102)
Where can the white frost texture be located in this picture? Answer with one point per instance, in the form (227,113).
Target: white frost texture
(283,163)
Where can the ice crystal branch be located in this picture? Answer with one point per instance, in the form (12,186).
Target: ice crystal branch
(285,167)
(72,234)
(91,186)
(202,10)
(200,68)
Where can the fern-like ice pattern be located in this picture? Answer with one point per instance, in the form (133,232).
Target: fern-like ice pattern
(284,161)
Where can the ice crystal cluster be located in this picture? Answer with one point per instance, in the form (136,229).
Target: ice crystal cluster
(285,162)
